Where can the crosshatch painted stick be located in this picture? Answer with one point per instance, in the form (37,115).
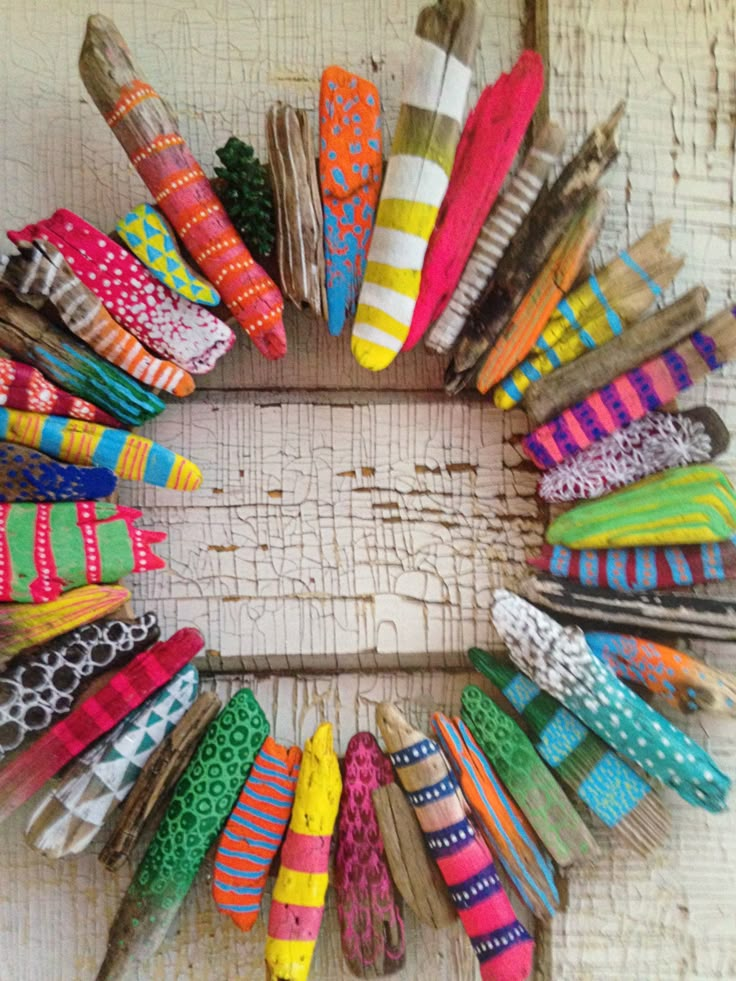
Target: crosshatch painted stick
(26,475)
(488,144)
(417,176)
(129,456)
(504,949)
(148,132)
(70,815)
(500,226)
(204,796)
(95,716)
(613,791)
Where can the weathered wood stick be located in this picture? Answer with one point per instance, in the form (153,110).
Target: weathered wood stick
(535,35)
(145,805)
(642,341)
(148,132)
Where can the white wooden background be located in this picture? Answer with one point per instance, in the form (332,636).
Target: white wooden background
(351,520)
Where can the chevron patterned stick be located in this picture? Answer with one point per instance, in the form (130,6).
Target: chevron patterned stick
(371,924)
(40,687)
(254,832)
(632,395)
(613,791)
(26,475)
(95,716)
(503,947)
(204,796)
(41,271)
(507,832)
(69,817)
(682,681)
(297,901)
(560,662)
(149,238)
(498,229)
(488,144)
(528,780)
(129,456)
(417,176)
(23,625)
(148,132)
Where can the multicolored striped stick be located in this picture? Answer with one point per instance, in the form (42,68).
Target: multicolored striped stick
(503,947)
(254,832)
(560,662)
(70,815)
(371,924)
(632,395)
(507,832)
(613,791)
(96,715)
(23,625)
(26,475)
(488,144)
(498,229)
(682,681)
(298,897)
(204,796)
(417,176)
(350,170)
(147,131)
(41,271)
(130,456)
(46,549)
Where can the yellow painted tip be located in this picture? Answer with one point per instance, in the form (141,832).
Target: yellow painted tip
(185,476)
(502,399)
(370,355)
(321,742)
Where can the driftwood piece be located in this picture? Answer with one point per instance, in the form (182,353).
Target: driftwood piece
(350,169)
(642,341)
(148,132)
(488,144)
(26,475)
(500,226)
(559,661)
(95,716)
(71,814)
(302,878)
(415,875)
(500,942)
(530,247)
(299,239)
(204,796)
(145,805)
(28,336)
(40,271)
(128,455)
(535,35)
(417,175)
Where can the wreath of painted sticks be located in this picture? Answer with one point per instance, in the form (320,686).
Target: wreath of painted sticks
(490,267)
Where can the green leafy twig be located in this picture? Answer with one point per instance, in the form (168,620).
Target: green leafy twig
(245,192)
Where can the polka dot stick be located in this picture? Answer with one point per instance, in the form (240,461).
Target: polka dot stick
(26,475)
(24,387)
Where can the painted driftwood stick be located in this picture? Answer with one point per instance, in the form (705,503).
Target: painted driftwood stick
(630,396)
(605,783)
(39,687)
(350,170)
(26,475)
(644,340)
(204,797)
(503,947)
(95,716)
(40,271)
(148,132)
(299,241)
(530,247)
(414,874)
(559,661)
(489,142)
(28,336)
(417,174)
(297,901)
(370,917)
(129,456)
(70,815)
(145,805)
(500,226)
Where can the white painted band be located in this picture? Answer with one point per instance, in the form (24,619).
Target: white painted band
(367,332)
(436,80)
(412,178)
(395,304)
(399,249)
